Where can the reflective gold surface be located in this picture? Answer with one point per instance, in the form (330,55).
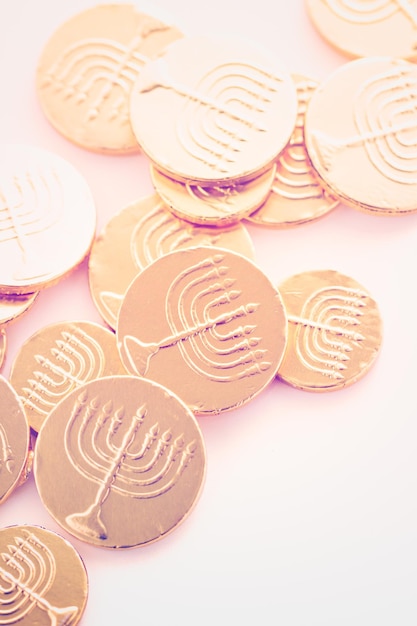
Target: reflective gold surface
(3,345)
(215,205)
(48,218)
(334,331)
(87,70)
(12,306)
(140,234)
(222,118)
(297,195)
(207,324)
(367,27)
(14,442)
(364,146)
(59,358)
(43,581)
(134,456)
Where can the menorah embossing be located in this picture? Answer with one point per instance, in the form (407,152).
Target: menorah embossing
(7,457)
(219,198)
(211,344)
(221,113)
(28,574)
(327,329)
(75,358)
(108,447)
(385,114)
(102,70)
(31,202)
(370,11)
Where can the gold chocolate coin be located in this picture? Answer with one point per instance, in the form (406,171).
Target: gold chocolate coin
(14,443)
(217,205)
(13,306)
(221,119)
(87,70)
(43,581)
(59,358)
(207,324)
(140,234)
(334,331)
(367,27)
(48,218)
(3,345)
(133,454)
(296,194)
(366,153)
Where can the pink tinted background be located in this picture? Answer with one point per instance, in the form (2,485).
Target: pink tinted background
(308,515)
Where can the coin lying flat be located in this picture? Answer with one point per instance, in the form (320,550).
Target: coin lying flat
(43,580)
(368,27)
(221,119)
(135,458)
(14,305)
(87,69)
(59,358)
(334,331)
(207,324)
(14,442)
(215,205)
(140,234)
(296,194)
(48,218)
(366,154)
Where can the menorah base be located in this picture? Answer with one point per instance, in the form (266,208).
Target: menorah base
(63,617)
(88,523)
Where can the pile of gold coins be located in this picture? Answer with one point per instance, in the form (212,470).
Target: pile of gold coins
(194,326)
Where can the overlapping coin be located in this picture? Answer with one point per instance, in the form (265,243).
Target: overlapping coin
(207,324)
(13,306)
(366,154)
(87,69)
(48,218)
(3,344)
(58,358)
(43,580)
(334,331)
(14,441)
(137,236)
(133,454)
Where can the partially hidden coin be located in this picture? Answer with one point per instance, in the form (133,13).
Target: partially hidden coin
(296,195)
(134,455)
(3,345)
(87,70)
(15,456)
(137,236)
(207,324)
(368,27)
(43,580)
(366,154)
(48,218)
(58,358)
(334,331)
(13,306)
(221,119)
(217,205)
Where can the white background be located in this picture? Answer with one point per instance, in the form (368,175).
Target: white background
(308,515)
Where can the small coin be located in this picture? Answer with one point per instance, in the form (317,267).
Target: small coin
(368,27)
(334,331)
(48,218)
(43,580)
(296,194)
(14,305)
(87,69)
(140,234)
(366,154)
(207,324)
(3,345)
(59,358)
(133,454)
(221,119)
(14,443)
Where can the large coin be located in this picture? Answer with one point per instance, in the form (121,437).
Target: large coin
(134,457)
